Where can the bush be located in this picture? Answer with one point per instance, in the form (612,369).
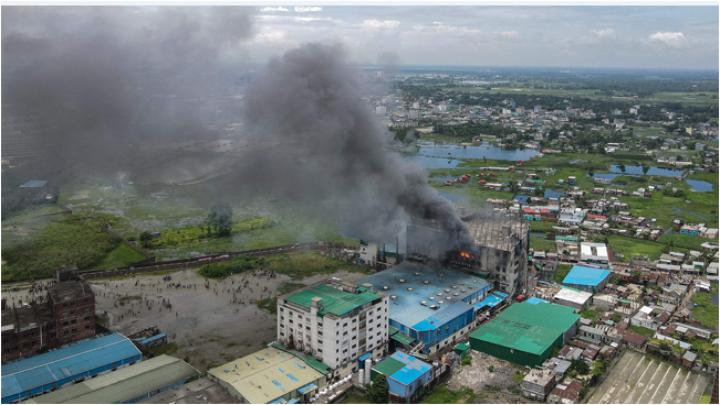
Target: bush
(234,266)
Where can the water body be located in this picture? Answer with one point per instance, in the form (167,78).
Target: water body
(700,186)
(653,171)
(434,162)
(451,151)
(605,176)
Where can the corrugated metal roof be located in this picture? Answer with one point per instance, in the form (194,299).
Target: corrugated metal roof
(266,375)
(527,327)
(440,318)
(412,369)
(582,275)
(66,362)
(388,366)
(333,301)
(125,384)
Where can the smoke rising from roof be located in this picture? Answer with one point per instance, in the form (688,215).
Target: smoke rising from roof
(329,148)
(118,87)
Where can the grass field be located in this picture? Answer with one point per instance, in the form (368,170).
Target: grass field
(675,239)
(695,208)
(704,310)
(123,255)
(441,394)
(538,243)
(560,272)
(78,240)
(629,247)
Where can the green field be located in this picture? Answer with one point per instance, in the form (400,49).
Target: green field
(675,239)
(441,394)
(704,311)
(629,247)
(539,243)
(78,240)
(123,255)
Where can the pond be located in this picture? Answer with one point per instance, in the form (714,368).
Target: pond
(653,171)
(434,162)
(452,197)
(452,151)
(700,186)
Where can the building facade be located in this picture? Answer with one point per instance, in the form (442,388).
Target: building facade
(66,315)
(334,323)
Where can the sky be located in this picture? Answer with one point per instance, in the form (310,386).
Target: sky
(523,36)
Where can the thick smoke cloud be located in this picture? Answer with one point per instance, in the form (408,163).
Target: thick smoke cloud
(327,148)
(112,87)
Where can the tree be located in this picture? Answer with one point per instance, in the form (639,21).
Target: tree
(645,169)
(145,238)
(377,392)
(220,219)
(580,367)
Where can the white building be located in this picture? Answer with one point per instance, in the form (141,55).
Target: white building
(596,253)
(572,298)
(334,323)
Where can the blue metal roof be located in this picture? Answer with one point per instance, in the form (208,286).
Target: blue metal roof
(441,317)
(413,369)
(406,308)
(150,339)
(582,275)
(65,363)
(536,300)
(492,300)
(307,388)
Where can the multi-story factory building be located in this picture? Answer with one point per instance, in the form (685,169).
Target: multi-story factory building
(335,323)
(499,252)
(431,306)
(66,315)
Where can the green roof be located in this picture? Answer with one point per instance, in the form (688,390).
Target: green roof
(528,327)
(311,361)
(333,301)
(388,366)
(400,337)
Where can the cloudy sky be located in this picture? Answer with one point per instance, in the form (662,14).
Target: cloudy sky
(634,37)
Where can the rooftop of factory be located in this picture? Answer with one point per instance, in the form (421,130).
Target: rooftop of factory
(69,361)
(422,293)
(266,375)
(123,385)
(402,368)
(332,300)
(497,233)
(530,327)
(583,275)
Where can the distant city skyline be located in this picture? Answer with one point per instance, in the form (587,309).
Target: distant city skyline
(677,37)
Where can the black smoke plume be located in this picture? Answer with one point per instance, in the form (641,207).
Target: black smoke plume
(326,148)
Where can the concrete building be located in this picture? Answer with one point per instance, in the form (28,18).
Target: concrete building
(66,315)
(407,376)
(537,384)
(432,305)
(126,385)
(594,253)
(81,360)
(269,376)
(527,332)
(499,252)
(334,323)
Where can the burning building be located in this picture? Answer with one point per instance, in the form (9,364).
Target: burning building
(66,315)
(498,253)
